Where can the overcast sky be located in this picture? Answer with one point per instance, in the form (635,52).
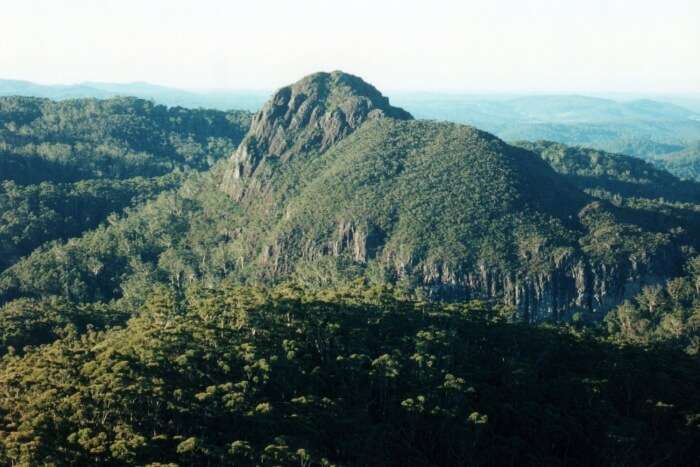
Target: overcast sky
(470,46)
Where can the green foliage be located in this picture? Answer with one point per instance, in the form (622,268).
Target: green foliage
(61,143)
(626,176)
(174,239)
(67,141)
(611,243)
(652,208)
(136,343)
(684,163)
(29,322)
(350,376)
(667,315)
(34,214)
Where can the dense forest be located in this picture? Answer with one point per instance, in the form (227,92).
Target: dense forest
(350,287)
(349,376)
(67,141)
(66,166)
(35,214)
(684,163)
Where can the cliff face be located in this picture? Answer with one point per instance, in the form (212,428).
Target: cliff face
(306,117)
(565,282)
(576,285)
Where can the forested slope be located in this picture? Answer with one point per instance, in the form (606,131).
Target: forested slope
(351,376)
(31,215)
(351,287)
(44,140)
(66,166)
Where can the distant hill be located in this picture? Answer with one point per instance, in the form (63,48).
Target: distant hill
(640,127)
(684,163)
(58,91)
(221,100)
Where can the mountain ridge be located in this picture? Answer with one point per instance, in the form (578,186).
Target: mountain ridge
(441,210)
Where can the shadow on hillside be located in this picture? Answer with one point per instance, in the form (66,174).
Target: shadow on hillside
(528,396)
(676,191)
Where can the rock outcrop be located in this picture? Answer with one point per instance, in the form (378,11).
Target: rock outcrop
(570,282)
(306,117)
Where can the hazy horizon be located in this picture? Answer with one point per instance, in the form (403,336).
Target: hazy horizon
(477,47)
(613,95)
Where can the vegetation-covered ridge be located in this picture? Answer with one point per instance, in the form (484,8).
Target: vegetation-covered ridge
(349,376)
(452,211)
(645,195)
(67,141)
(595,170)
(32,215)
(66,166)
(684,163)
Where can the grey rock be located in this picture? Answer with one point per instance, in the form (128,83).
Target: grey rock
(307,117)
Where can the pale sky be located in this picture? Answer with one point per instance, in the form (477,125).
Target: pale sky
(465,46)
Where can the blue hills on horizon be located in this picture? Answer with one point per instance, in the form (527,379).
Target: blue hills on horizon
(646,126)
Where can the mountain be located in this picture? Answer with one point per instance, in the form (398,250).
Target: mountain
(439,206)
(332,183)
(309,116)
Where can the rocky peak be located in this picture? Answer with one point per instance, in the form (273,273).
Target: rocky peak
(309,116)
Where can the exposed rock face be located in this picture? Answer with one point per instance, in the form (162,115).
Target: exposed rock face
(306,117)
(577,285)
(568,284)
